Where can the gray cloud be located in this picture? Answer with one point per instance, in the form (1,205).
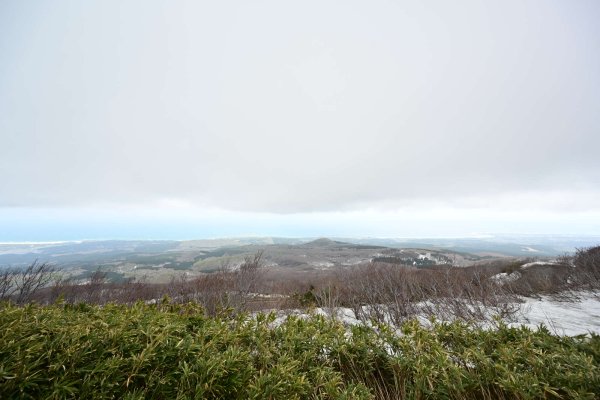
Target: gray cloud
(300,106)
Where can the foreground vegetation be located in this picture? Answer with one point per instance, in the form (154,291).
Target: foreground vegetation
(169,351)
(101,339)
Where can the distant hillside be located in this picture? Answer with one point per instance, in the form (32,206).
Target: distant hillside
(159,260)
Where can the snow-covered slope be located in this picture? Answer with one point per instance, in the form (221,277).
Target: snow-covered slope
(562,317)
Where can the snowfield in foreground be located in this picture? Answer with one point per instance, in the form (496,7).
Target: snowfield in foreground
(568,318)
(562,317)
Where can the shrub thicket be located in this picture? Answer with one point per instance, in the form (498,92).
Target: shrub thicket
(168,351)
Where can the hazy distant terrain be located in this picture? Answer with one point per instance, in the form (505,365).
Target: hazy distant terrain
(158,260)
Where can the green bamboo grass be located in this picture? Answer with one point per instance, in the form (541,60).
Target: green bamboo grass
(168,351)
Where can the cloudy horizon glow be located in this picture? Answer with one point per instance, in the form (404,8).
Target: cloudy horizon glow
(199,119)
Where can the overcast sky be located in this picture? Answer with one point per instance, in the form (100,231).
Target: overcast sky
(181,119)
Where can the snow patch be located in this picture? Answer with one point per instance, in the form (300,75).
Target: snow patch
(565,318)
(504,277)
(322,264)
(531,264)
(530,250)
(562,317)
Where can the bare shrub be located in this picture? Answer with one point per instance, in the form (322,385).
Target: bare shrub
(61,288)
(469,294)
(327,296)
(587,267)
(212,291)
(392,293)
(96,290)
(23,285)
(131,290)
(229,287)
(379,291)
(247,278)
(542,279)
(6,283)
